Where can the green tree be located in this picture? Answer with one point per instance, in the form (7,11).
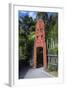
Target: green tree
(26,36)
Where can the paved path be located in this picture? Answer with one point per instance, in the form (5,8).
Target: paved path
(37,73)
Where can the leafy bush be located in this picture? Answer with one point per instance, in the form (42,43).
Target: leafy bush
(53,51)
(52,67)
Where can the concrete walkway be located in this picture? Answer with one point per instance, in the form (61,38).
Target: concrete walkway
(37,73)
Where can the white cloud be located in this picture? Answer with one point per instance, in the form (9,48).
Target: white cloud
(32,14)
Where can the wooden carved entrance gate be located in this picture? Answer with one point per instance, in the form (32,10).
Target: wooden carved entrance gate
(40,43)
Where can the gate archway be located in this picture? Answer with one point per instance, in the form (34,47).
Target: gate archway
(40,42)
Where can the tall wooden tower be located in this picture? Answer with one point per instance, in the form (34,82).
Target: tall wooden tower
(40,42)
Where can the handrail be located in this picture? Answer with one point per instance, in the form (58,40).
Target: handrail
(51,55)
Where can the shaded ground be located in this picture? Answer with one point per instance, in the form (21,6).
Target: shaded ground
(25,71)
(23,68)
(37,73)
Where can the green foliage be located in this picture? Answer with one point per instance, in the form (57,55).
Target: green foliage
(53,27)
(52,67)
(53,51)
(31,36)
(26,37)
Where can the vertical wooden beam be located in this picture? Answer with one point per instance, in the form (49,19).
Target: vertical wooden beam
(34,58)
(44,56)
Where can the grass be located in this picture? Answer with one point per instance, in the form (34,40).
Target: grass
(53,73)
(53,70)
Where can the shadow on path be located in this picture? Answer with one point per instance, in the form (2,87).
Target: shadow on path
(23,69)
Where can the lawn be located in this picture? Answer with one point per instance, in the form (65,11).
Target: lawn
(53,73)
(53,70)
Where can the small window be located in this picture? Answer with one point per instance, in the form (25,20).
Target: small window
(41,36)
(37,37)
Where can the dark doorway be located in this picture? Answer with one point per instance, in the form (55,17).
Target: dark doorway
(39,57)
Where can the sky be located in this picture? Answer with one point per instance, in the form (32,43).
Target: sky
(31,14)
(27,13)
